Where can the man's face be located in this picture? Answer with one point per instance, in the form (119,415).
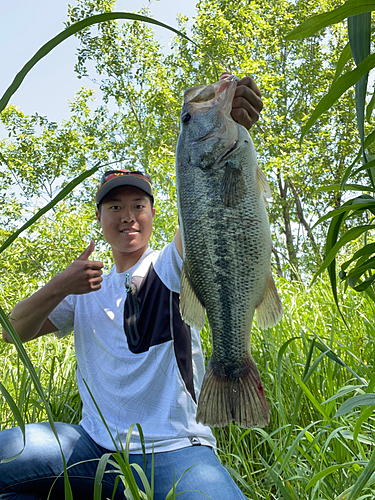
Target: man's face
(126,219)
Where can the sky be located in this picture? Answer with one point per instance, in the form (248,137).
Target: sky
(26,25)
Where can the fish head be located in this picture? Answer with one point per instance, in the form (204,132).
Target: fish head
(208,131)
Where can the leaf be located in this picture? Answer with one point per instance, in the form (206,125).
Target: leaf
(363,479)
(359,31)
(285,492)
(341,85)
(4,321)
(17,415)
(75,28)
(325,472)
(316,23)
(361,268)
(310,396)
(366,166)
(365,415)
(350,404)
(368,249)
(362,286)
(345,56)
(370,108)
(349,235)
(348,206)
(62,194)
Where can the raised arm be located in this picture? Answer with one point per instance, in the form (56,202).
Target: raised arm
(30,316)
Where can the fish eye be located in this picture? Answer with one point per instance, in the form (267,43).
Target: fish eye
(185,118)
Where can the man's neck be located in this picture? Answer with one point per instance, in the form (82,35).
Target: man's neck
(125,261)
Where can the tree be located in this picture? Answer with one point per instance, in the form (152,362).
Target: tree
(147,86)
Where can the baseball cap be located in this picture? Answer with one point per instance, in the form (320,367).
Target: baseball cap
(114,178)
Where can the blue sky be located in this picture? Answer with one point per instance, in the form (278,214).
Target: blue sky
(26,25)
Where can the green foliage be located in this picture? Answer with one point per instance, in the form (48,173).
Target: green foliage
(317,375)
(360,276)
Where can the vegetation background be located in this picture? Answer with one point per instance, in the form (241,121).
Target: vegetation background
(317,365)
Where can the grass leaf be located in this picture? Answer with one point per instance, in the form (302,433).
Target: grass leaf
(351,234)
(341,85)
(350,404)
(345,56)
(18,417)
(363,479)
(359,31)
(62,194)
(316,23)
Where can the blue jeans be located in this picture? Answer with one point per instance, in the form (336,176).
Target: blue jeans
(31,475)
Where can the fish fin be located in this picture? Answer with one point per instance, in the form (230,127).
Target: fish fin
(225,399)
(191,309)
(233,188)
(270,310)
(263,185)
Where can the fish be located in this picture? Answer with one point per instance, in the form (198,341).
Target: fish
(226,273)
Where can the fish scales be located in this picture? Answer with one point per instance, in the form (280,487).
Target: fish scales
(227,250)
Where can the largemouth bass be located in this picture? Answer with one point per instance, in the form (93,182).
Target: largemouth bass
(227,252)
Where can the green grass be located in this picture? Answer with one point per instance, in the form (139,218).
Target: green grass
(310,365)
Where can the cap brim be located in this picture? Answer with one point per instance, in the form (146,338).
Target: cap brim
(123,180)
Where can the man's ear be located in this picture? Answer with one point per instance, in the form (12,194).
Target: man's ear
(97,213)
(153,212)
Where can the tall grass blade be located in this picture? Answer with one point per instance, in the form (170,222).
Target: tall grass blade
(341,85)
(363,417)
(62,194)
(363,479)
(345,56)
(75,28)
(364,202)
(17,415)
(359,31)
(5,323)
(350,404)
(351,234)
(100,470)
(370,107)
(286,494)
(316,23)
(326,472)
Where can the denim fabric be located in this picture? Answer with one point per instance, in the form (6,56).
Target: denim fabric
(31,475)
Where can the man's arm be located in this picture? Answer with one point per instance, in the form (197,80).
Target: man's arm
(246,108)
(30,316)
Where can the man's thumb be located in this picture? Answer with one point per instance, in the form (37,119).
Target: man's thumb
(86,254)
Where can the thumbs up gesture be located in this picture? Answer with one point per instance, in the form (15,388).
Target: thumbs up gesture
(83,275)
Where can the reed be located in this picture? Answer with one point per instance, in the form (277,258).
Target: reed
(319,382)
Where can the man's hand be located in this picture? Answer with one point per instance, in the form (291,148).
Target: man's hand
(82,276)
(247,101)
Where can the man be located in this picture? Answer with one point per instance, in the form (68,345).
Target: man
(141,362)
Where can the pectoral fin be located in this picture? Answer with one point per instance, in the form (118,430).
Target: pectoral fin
(191,309)
(270,310)
(233,188)
(263,185)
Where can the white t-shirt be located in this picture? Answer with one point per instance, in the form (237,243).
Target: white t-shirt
(150,386)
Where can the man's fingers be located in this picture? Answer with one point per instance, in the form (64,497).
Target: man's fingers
(95,264)
(95,283)
(86,254)
(248,82)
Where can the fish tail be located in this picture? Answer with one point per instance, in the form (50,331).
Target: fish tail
(238,397)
